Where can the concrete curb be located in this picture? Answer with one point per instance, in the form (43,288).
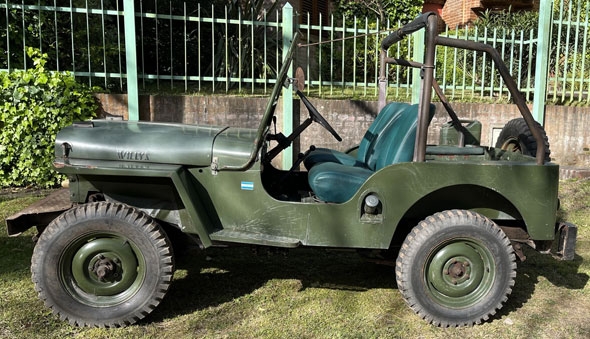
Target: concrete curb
(572,172)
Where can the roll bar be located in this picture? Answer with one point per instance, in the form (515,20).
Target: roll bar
(407,29)
(429,21)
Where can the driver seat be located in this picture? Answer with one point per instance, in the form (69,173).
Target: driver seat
(389,113)
(337,182)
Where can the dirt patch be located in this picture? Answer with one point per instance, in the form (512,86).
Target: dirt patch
(9,193)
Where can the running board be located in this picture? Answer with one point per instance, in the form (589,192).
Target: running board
(254,238)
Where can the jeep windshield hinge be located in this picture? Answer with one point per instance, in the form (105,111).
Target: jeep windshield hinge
(215,166)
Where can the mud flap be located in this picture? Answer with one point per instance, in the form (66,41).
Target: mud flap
(39,214)
(567,240)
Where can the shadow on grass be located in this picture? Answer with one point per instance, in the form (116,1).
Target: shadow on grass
(234,272)
(16,254)
(558,272)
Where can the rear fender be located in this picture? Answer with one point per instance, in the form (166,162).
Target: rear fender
(515,189)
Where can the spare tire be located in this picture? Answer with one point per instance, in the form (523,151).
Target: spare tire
(516,137)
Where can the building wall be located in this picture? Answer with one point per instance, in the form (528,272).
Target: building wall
(461,12)
(566,126)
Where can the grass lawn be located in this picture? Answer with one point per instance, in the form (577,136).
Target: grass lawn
(310,293)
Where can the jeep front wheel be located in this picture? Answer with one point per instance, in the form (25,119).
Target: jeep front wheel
(456,268)
(102,264)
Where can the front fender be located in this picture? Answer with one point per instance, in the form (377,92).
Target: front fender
(125,179)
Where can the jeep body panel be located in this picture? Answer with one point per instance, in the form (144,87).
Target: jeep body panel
(234,206)
(134,184)
(399,187)
(160,143)
(233,146)
(134,141)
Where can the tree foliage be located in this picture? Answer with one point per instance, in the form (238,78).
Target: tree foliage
(34,105)
(394,10)
(509,20)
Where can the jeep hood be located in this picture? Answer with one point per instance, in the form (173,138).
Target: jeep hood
(165,143)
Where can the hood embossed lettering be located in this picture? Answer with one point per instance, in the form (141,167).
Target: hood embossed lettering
(133,155)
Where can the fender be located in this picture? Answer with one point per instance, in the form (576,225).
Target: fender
(89,172)
(402,186)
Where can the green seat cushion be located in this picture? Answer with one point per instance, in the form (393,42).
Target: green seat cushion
(396,142)
(335,182)
(383,119)
(386,117)
(320,155)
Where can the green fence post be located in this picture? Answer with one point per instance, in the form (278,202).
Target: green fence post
(542,66)
(287,28)
(418,56)
(131,60)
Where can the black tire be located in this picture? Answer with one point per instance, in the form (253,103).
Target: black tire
(75,238)
(416,276)
(516,137)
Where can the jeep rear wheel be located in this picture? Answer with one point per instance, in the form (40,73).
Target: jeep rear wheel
(102,264)
(456,268)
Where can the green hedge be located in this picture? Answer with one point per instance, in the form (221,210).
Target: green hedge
(34,105)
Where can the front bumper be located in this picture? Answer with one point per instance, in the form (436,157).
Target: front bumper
(39,214)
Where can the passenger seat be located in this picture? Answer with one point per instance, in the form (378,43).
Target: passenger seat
(337,182)
(388,114)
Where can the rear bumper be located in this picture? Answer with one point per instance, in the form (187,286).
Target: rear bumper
(566,248)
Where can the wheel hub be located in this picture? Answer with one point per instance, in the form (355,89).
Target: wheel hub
(457,270)
(512,145)
(105,268)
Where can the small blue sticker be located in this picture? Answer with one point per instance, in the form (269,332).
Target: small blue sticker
(247,185)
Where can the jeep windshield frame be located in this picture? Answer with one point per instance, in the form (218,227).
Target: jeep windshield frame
(269,112)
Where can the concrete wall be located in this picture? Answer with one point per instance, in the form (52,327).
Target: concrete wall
(568,128)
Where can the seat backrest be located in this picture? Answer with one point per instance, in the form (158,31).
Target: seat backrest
(396,141)
(389,112)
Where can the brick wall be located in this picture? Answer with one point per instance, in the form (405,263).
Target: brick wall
(566,126)
(459,12)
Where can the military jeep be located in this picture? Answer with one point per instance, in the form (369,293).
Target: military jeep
(451,217)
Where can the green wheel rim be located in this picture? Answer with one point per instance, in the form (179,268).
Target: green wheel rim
(512,145)
(102,269)
(459,272)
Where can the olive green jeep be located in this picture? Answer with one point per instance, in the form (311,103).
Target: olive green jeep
(451,217)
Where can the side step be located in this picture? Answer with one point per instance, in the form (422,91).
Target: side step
(254,238)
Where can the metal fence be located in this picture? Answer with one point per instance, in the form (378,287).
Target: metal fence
(186,48)
(569,72)
(174,46)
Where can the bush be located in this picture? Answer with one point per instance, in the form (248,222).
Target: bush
(34,105)
(509,20)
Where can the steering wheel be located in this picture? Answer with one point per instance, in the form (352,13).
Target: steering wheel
(317,117)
